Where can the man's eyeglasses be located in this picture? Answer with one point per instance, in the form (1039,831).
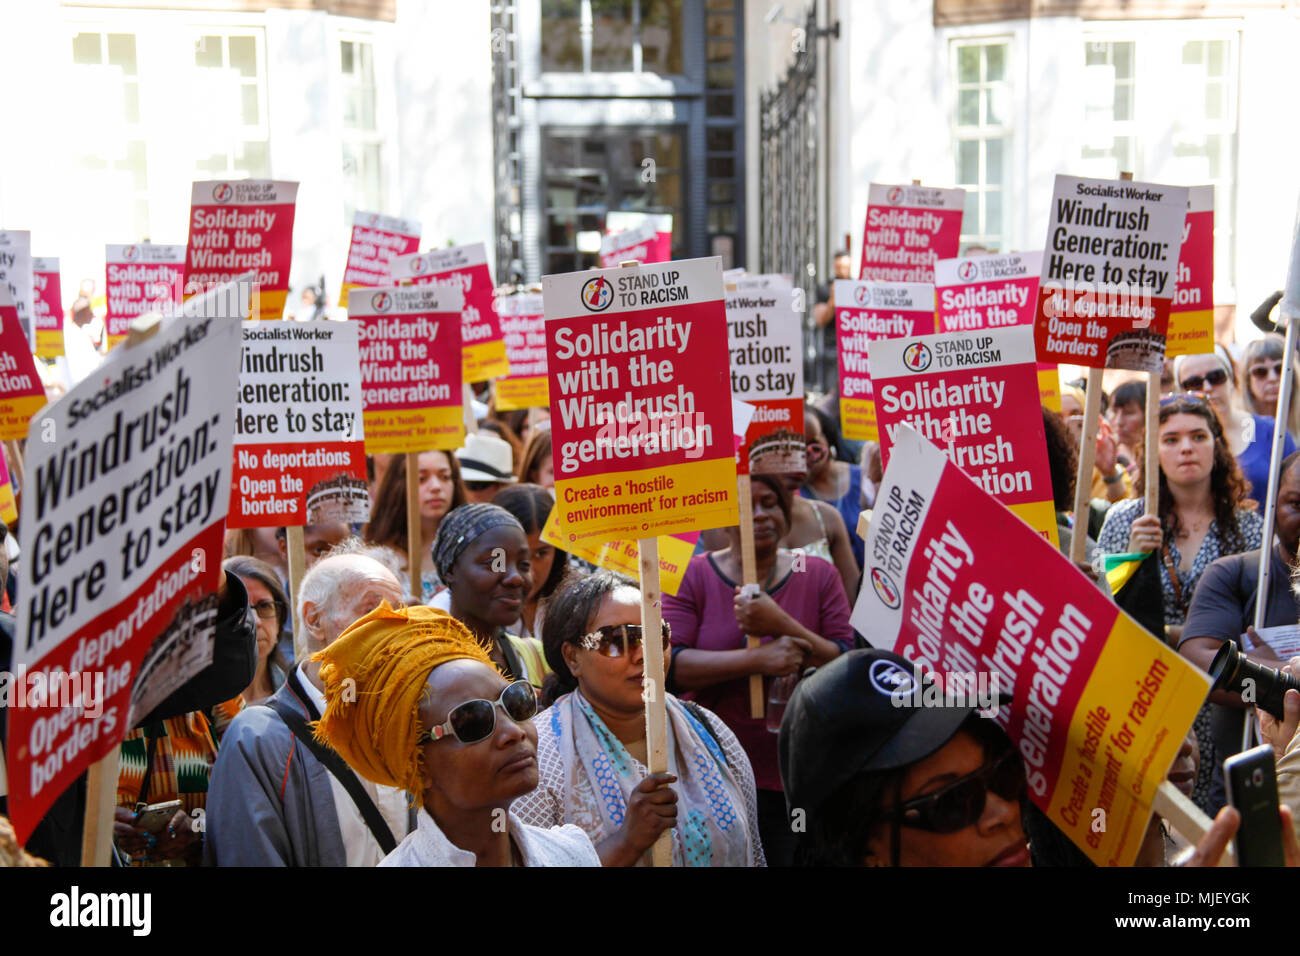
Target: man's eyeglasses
(1214,378)
(1261,372)
(617,640)
(475,720)
(961,803)
(268,609)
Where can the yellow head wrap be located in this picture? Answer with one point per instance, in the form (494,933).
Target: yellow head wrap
(374,675)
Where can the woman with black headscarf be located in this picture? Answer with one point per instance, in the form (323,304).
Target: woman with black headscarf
(481,553)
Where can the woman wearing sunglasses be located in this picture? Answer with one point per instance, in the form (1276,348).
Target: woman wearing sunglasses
(271,605)
(591,746)
(481,553)
(884,785)
(1202,517)
(1250,436)
(1261,380)
(413,701)
(798,611)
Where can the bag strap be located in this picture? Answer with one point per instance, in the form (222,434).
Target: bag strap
(151,734)
(335,764)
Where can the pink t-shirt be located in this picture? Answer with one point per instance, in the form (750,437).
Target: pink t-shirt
(702,616)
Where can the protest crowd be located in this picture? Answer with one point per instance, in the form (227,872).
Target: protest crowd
(521,686)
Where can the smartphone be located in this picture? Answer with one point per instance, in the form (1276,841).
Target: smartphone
(1252,788)
(155,817)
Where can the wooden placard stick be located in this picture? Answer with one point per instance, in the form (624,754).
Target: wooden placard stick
(749,575)
(1186,817)
(414,533)
(1151,462)
(16,462)
(1087,455)
(296,548)
(471,423)
(101,780)
(656,710)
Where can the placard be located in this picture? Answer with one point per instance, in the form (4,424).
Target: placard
(242,225)
(376,239)
(641,425)
(908,230)
(21,393)
(989,292)
(411,390)
(975,396)
(47,305)
(16,276)
(1110,268)
(121,532)
(300,454)
(675,553)
(641,243)
(139,278)
(1098,708)
(764,336)
(524,326)
(865,311)
(464,268)
(1191,316)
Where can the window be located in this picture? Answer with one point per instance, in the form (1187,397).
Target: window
(982,138)
(1164,107)
(111,156)
(612,36)
(363,172)
(591,172)
(230,81)
(1110,121)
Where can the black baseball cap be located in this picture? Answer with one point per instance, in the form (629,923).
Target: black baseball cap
(856,714)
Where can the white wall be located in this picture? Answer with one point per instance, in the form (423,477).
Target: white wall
(897,118)
(444,72)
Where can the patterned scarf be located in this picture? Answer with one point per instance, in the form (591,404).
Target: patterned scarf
(712,827)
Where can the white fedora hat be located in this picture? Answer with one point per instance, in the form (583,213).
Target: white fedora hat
(485,457)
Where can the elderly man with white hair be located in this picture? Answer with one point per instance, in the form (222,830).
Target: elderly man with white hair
(277,797)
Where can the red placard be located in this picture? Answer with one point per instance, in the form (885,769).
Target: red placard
(411,390)
(47,302)
(464,268)
(865,311)
(21,392)
(237,226)
(908,230)
(524,328)
(640,400)
(975,396)
(376,240)
(1191,316)
(140,277)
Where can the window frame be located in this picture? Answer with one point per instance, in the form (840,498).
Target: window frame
(1156,127)
(982,133)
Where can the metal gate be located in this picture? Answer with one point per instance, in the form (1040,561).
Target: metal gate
(792,204)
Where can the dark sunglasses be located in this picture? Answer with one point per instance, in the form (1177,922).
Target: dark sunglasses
(268,609)
(617,640)
(475,720)
(961,803)
(1196,382)
(1261,372)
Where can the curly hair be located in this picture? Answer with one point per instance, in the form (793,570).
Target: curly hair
(1062,459)
(1227,485)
